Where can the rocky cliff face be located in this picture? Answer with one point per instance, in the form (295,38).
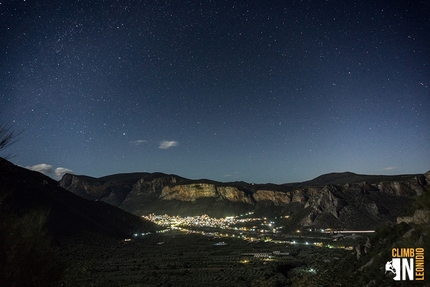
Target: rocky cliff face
(80,186)
(110,191)
(146,191)
(192,192)
(277,197)
(326,200)
(353,204)
(420,216)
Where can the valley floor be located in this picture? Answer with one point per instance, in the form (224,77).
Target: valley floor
(178,259)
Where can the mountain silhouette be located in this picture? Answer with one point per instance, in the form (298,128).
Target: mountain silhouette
(22,191)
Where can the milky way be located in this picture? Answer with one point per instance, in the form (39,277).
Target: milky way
(265,91)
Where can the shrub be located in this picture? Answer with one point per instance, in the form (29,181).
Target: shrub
(27,257)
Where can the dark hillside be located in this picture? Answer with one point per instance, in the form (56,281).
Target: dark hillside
(23,190)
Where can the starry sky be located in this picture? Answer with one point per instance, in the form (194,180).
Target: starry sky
(258,91)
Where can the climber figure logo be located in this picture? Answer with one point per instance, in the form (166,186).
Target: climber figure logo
(390,268)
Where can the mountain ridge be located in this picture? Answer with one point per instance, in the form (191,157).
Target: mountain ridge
(342,178)
(326,178)
(337,198)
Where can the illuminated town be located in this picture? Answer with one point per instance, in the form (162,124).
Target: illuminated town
(253,229)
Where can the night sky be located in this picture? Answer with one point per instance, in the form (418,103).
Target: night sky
(259,91)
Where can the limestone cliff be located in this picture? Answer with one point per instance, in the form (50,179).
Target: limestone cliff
(277,197)
(83,186)
(147,190)
(325,200)
(189,192)
(112,190)
(233,194)
(420,216)
(192,192)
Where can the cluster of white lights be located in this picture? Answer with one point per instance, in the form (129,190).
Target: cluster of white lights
(198,221)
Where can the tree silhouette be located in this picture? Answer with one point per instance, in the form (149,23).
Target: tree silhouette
(8,137)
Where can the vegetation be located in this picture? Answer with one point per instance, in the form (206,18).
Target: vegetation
(27,256)
(7,137)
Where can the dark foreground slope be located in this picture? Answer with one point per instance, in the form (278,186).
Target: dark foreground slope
(41,224)
(22,190)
